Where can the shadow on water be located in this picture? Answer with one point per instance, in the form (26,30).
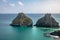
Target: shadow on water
(24,28)
(20,29)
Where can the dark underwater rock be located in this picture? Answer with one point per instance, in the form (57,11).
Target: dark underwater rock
(22,20)
(47,21)
(55,33)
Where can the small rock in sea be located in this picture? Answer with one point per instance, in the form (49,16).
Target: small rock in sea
(22,20)
(55,33)
(47,21)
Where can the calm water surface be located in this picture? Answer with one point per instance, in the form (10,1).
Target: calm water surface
(8,32)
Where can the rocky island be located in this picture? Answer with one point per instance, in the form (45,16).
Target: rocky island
(47,21)
(22,20)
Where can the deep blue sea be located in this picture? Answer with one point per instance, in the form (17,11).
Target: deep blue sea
(8,32)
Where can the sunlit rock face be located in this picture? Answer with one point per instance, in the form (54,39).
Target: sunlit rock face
(47,21)
(22,20)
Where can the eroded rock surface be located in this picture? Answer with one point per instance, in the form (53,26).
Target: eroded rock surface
(22,20)
(47,21)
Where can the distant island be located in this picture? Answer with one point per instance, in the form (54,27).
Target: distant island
(47,21)
(22,20)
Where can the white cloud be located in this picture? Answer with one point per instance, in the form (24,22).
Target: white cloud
(20,3)
(49,6)
(4,0)
(43,7)
(12,5)
(4,8)
(52,7)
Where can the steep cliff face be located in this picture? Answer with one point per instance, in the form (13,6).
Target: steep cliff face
(47,21)
(22,20)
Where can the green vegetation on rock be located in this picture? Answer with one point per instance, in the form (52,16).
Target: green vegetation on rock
(22,20)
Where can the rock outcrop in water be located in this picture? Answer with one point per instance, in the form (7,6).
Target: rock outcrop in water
(47,21)
(22,20)
(56,33)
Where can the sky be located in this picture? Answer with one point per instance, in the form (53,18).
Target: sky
(29,6)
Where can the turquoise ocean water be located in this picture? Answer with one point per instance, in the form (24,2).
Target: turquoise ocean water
(8,32)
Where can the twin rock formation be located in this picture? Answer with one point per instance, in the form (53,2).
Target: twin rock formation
(47,21)
(23,20)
